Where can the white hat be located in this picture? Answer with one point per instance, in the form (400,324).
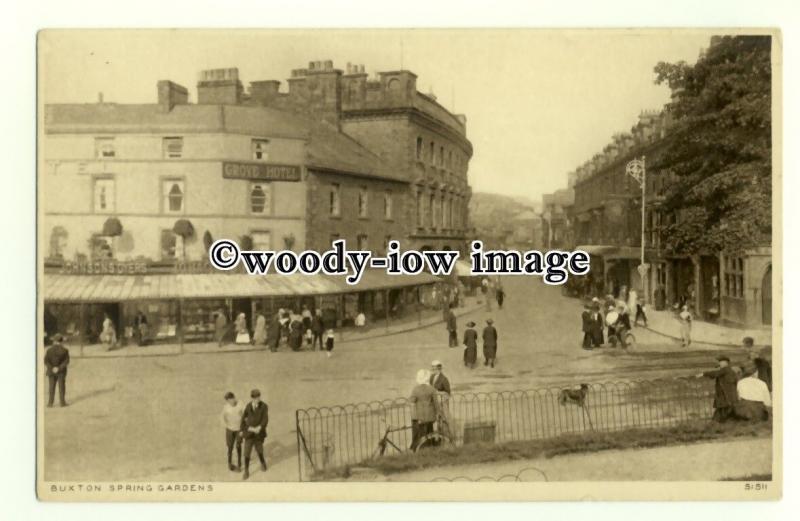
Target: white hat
(436,363)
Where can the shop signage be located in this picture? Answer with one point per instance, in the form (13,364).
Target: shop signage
(260,171)
(103,267)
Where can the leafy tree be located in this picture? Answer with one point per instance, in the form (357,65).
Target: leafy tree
(720,152)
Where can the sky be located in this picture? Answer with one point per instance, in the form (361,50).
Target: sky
(538,103)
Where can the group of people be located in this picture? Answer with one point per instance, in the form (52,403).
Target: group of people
(245,424)
(287,327)
(742,392)
(611,316)
(492,290)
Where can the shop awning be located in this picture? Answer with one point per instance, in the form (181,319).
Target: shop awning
(118,288)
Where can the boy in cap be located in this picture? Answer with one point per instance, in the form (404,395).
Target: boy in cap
(231,419)
(254,430)
(761,361)
(725,394)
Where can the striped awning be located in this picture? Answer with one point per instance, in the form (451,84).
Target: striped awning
(118,288)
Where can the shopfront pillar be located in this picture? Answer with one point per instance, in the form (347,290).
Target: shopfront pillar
(698,288)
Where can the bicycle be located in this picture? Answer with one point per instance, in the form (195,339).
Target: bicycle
(438,438)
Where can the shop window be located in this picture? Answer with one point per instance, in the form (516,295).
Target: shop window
(387,205)
(260,198)
(262,240)
(441,156)
(335,203)
(259,148)
(104,147)
(734,277)
(419,149)
(171,245)
(104,201)
(173,147)
(362,202)
(173,194)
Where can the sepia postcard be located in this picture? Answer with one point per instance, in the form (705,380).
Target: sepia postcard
(409,264)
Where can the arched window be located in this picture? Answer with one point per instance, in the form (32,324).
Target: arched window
(419,148)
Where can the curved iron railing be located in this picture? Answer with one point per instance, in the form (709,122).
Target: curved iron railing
(349,434)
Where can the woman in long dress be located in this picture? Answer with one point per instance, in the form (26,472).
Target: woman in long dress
(470,345)
(685,317)
(240,325)
(109,334)
(260,330)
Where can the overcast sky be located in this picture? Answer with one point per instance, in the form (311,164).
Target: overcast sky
(538,103)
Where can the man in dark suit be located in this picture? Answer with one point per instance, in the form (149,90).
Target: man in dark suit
(725,393)
(586,326)
(452,327)
(597,322)
(438,380)
(56,360)
(254,430)
(489,343)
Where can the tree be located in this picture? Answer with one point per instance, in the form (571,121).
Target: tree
(720,154)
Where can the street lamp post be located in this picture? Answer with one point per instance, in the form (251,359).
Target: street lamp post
(636,169)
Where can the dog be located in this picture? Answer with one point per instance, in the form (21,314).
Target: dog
(576,396)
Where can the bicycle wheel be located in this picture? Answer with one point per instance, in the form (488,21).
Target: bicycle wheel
(630,341)
(433,440)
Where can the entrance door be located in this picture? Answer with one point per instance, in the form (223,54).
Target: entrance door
(766,297)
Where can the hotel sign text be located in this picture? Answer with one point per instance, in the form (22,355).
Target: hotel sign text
(260,171)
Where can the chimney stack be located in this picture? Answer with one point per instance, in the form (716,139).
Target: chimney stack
(219,87)
(171,94)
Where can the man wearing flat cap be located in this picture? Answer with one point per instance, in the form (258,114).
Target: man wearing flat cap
(56,360)
(254,430)
(725,394)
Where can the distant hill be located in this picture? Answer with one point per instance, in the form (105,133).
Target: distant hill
(495,211)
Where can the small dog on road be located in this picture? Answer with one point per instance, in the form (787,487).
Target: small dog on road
(576,396)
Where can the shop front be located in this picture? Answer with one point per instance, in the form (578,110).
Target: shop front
(182,308)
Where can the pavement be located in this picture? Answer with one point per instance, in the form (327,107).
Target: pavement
(157,417)
(666,323)
(708,461)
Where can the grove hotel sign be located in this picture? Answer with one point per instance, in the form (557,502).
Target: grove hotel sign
(260,171)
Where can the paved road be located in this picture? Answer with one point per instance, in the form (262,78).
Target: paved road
(157,418)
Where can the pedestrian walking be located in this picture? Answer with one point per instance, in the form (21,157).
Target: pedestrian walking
(306,315)
(109,334)
(220,326)
(597,323)
(254,430)
(685,318)
(586,326)
(140,328)
(317,329)
(486,285)
(452,327)
(489,343)
(423,410)
(260,330)
(470,345)
(725,393)
(500,295)
(755,401)
(274,334)
(329,339)
(231,419)
(240,325)
(56,360)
